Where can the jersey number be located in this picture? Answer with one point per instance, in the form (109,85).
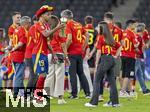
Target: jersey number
(41,62)
(116,37)
(91,38)
(79,36)
(127,45)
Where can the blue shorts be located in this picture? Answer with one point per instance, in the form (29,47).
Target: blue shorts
(40,63)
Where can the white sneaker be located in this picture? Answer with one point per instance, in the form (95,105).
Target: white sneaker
(140,90)
(116,105)
(61,101)
(51,98)
(123,94)
(101,99)
(88,97)
(89,105)
(133,94)
(108,104)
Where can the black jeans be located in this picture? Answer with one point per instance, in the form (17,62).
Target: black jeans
(106,66)
(32,77)
(76,68)
(101,91)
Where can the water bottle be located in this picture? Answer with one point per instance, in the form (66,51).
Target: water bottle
(66,83)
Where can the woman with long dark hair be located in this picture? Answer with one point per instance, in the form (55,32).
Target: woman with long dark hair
(105,65)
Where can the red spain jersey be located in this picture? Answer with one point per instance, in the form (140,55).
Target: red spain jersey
(40,41)
(11,35)
(11,31)
(20,36)
(30,42)
(103,47)
(76,30)
(56,42)
(129,41)
(146,36)
(139,54)
(117,34)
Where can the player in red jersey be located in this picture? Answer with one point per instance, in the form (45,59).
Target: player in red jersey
(118,37)
(128,57)
(16,23)
(40,50)
(18,53)
(105,65)
(74,31)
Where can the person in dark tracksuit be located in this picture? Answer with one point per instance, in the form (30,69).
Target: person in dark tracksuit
(106,64)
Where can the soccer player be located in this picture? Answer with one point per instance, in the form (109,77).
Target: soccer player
(13,28)
(139,64)
(105,66)
(55,77)
(40,50)
(128,58)
(89,64)
(18,53)
(74,31)
(89,21)
(118,37)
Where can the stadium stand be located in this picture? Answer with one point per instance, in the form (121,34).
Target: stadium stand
(143,11)
(80,9)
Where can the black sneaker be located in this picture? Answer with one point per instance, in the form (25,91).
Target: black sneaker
(147,92)
(73,97)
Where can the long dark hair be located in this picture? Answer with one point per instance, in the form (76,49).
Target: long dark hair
(105,31)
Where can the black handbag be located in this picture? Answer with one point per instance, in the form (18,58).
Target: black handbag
(60,58)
